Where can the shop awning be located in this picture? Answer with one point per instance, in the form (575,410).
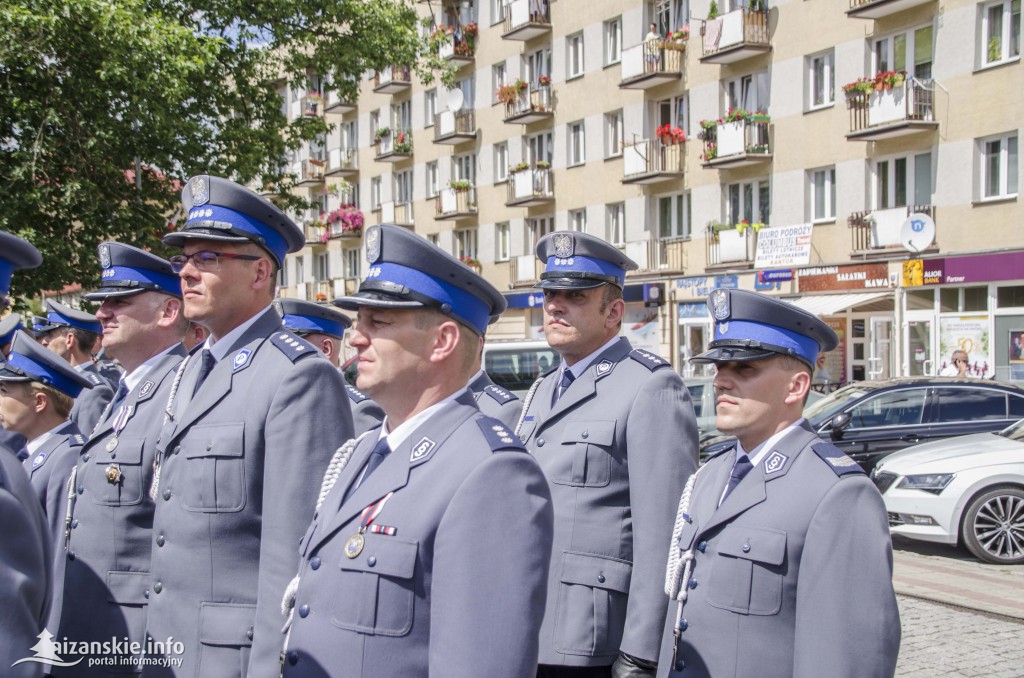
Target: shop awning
(827,304)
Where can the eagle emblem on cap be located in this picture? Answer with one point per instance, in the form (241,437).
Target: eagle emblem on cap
(563,245)
(719,303)
(200,191)
(105,256)
(373,244)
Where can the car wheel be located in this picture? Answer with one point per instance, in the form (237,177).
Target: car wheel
(993,528)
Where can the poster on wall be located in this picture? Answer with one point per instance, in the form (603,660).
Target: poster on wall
(641,326)
(1016,341)
(830,371)
(970,334)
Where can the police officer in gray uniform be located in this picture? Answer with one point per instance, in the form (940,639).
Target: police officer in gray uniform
(780,562)
(493,400)
(424,521)
(246,442)
(615,433)
(324,327)
(15,442)
(105,579)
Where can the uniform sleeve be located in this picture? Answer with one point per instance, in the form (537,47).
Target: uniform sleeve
(662,454)
(847,622)
(491,559)
(308,420)
(89,406)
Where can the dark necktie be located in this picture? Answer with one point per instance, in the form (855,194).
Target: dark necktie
(377,456)
(740,468)
(204,369)
(567,378)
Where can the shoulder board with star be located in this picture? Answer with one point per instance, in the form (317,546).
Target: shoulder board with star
(499,394)
(291,344)
(648,359)
(354,394)
(95,378)
(499,436)
(836,459)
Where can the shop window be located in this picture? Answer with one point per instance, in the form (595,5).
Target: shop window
(975,299)
(963,299)
(1010,297)
(920,300)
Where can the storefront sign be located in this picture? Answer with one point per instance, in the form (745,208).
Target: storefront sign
(774,276)
(701,286)
(525,300)
(918,272)
(978,268)
(838,278)
(783,246)
(693,310)
(970,334)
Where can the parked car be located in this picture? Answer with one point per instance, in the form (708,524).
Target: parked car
(515,365)
(967,490)
(871,419)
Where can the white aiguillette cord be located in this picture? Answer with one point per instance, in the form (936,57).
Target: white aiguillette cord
(168,417)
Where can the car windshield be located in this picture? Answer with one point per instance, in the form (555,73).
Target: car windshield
(1014,431)
(823,409)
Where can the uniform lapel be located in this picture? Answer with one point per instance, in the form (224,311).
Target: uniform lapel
(154,378)
(56,440)
(585,386)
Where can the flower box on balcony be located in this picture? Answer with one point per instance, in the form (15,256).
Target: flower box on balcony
(731,138)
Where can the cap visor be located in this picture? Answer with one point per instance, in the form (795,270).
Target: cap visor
(375,299)
(732,354)
(179,238)
(569,284)
(6,374)
(111,292)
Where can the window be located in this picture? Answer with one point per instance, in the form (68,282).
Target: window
(348,136)
(430,169)
(536,229)
(673,112)
(1010,297)
(577,144)
(578,220)
(468,88)
(375,184)
(536,64)
(963,299)
(910,52)
(465,243)
(612,41)
(300,270)
(670,15)
(574,56)
(615,217)
(748,201)
(323,267)
(538,148)
(401,115)
(970,404)
(501,162)
(498,10)
(403,187)
(501,242)
(374,124)
(430,107)
(464,167)
(1000,32)
(902,182)
(821,80)
(433,238)
(499,77)
(282,277)
(999,163)
(749,92)
(895,408)
(350,262)
(613,134)
(823,194)
(674,216)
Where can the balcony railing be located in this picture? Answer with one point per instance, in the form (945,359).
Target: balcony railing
(526,19)
(658,255)
(531,106)
(652,63)
(341,162)
(311,172)
(884,114)
(649,161)
(319,290)
(528,188)
(458,52)
(312,105)
(395,146)
(731,248)
(336,105)
(392,79)
(737,144)
(315,232)
(879,9)
(455,205)
(738,35)
(526,269)
(454,127)
(395,213)
(879,230)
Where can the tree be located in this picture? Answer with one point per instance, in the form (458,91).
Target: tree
(108,105)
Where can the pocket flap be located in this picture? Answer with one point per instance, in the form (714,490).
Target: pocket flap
(760,544)
(593,432)
(599,572)
(686,536)
(384,555)
(226,624)
(220,440)
(128,451)
(127,588)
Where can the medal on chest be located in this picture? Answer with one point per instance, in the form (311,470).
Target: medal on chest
(354,545)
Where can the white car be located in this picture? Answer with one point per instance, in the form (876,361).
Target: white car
(967,490)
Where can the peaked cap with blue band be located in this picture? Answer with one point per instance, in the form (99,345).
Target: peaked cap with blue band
(307,316)
(59,315)
(221,210)
(15,253)
(8,326)
(408,271)
(753,326)
(580,261)
(128,270)
(30,361)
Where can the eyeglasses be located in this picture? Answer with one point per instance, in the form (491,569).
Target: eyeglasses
(206,260)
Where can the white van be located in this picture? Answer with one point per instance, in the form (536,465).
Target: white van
(515,365)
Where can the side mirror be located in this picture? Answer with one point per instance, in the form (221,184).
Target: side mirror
(840,423)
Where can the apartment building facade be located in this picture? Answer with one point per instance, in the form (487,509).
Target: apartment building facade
(858,157)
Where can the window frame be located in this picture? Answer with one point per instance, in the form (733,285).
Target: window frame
(501,162)
(1006,36)
(910,181)
(828,57)
(432,177)
(577,220)
(615,223)
(576,139)
(757,188)
(575,51)
(502,241)
(910,65)
(611,32)
(613,127)
(429,107)
(466,242)
(1007,167)
(680,226)
(830,194)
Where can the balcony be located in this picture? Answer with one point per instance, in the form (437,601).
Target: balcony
(526,19)
(344,222)
(392,79)
(456,204)
(459,48)
(729,247)
(341,162)
(740,143)
(528,107)
(311,172)
(395,213)
(658,255)
(312,105)
(877,232)
(454,127)
(891,111)
(525,269)
(335,105)
(530,187)
(879,9)
(393,145)
(649,161)
(321,290)
(315,231)
(651,64)
(735,36)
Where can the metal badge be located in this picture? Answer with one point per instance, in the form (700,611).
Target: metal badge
(200,191)
(563,245)
(114,474)
(354,545)
(104,256)
(112,445)
(373,244)
(719,304)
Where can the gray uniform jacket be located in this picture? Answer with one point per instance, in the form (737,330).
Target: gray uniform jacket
(24,569)
(11,441)
(617,448)
(240,467)
(106,561)
(495,401)
(91,403)
(792,574)
(458,590)
(366,414)
(55,457)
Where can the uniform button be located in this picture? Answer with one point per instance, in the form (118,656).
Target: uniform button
(680,665)
(209,446)
(81,489)
(167,495)
(746,547)
(113,455)
(586,434)
(160,540)
(315,562)
(293,657)
(683,624)
(371,561)
(177,448)
(693,583)
(71,555)
(158,587)
(248,634)
(304,611)
(74,523)
(145,594)
(701,546)
(600,578)
(540,442)
(85,457)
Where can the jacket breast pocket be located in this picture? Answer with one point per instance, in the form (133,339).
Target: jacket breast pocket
(375,591)
(591,609)
(116,476)
(746,575)
(225,638)
(587,446)
(214,475)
